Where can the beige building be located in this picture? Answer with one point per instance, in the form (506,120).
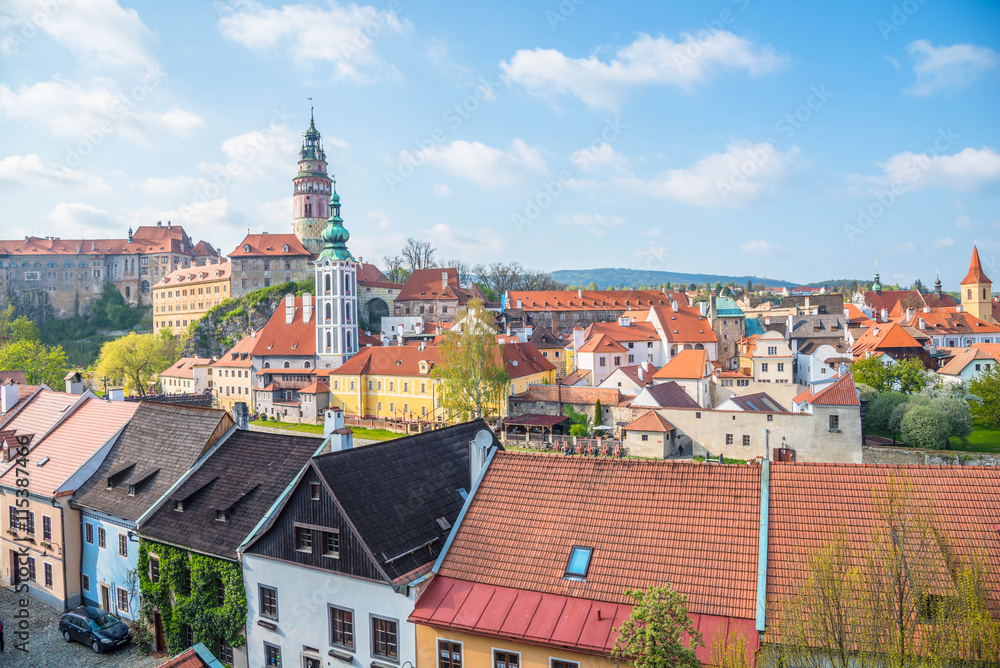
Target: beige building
(232,375)
(188,375)
(186,294)
(264,260)
(767,358)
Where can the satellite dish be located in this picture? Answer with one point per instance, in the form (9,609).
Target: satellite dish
(484,439)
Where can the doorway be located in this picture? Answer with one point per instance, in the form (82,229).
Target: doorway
(105,598)
(15,568)
(158,635)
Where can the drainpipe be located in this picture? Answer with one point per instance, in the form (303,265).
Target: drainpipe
(62,525)
(765,485)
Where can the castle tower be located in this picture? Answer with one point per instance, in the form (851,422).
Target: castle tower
(336,293)
(877,287)
(977,290)
(312,188)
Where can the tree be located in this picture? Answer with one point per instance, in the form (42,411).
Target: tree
(132,360)
(907,376)
(873,372)
(925,427)
(881,407)
(579,423)
(462,268)
(591,286)
(692,287)
(598,415)
(394,270)
(418,254)
(958,414)
(41,364)
(472,372)
(985,389)
(652,636)
(910,375)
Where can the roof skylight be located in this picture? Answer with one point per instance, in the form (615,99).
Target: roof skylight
(579,562)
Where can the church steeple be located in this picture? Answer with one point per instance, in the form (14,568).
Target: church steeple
(977,290)
(312,189)
(335,235)
(937,285)
(878,284)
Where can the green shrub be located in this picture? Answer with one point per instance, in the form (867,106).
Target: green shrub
(867,392)
(958,414)
(925,427)
(881,407)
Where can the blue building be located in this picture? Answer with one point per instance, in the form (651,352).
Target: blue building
(156,448)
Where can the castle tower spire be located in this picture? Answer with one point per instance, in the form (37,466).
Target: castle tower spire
(336,292)
(937,285)
(311,189)
(977,290)
(878,284)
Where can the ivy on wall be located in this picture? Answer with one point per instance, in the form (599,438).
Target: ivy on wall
(195,604)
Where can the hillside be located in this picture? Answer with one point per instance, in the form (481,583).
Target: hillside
(633,278)
(223,326)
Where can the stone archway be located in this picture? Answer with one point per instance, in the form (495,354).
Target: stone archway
(374,310)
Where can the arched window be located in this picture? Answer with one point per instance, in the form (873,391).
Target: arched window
(329,311)
(348,307)
(970,295)
(326,282)
(308,365)
(350,344)
(347,284)
(267,365)
(286,365)
(328,341)
(309,210)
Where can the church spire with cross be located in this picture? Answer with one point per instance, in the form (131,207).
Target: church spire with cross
(312,187)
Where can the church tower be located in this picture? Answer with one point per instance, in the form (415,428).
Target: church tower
(336,293)
(312,188)
(977,290)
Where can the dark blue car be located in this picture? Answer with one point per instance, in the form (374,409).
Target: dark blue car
(97,628)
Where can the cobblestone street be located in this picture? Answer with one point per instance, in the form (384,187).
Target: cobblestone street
(46,646)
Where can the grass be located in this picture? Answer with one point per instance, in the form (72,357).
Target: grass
(725,460)
(359,432)
(982,439)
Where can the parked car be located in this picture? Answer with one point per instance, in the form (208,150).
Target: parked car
(94,627)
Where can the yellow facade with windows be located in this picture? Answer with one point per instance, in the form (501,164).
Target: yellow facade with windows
(475,650)
(186,294)
(385,396)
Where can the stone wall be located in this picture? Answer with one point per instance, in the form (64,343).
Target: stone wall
(873,454)
(367,294)
(437,310)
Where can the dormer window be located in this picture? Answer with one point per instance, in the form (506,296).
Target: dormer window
(179,506)
(246,248)
(579,562)
(131,490)
(284,248)
(220,515)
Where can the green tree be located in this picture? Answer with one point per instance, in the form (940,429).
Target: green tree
(171,346)
(881,407)
(41,364)
(985,389)
(579,423)
(910,375)
(653,635)
(132,360)
(473,377)
(692,287)
(873,372)
(591,286)
(925,427)
(958,414)
(598,414)
(749,286)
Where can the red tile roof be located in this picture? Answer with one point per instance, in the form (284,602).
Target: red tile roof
(649,421)
(197,274)
(687,364)
(636,331)
(891,299)
(425,284)
(315,388)
(632,372)
(520,359)
(570,395)
(369,272)
(577,376)
(948,321)
(602,343)
(975,274)
(146,239)
(587,300)
(882,337)
(273,245)
(685,325)
(841,392)
(184,367)
(291,340)
(240,355)
(965,357)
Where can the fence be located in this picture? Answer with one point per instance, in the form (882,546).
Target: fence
(570,445)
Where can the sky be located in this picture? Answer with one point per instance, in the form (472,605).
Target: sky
(795,140)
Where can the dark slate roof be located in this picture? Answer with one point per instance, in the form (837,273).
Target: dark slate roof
(759,402)
(671,395)
(158,445)
(245,475)
(393,491)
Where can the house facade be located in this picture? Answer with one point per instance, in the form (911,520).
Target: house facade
(184,295)
(263,260)
(434,295)
(188,375)
(767,358)
(233,375)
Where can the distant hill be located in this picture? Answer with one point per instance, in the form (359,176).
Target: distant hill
(633,278)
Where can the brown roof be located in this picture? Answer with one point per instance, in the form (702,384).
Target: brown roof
(197,274)
(893,299)
(586,300)
(602,343)
(17,377)
(975,274)
(424,284)
(543,339)
(520,359)
(839,393)
(184,367)
(569,395)
(274,245)
(632,372)
(687,364)
(637,517)
(634,331)
(948,321)
(669,395)
(277,337)
(882,337)
(575,377)
(649,421)
(369,272)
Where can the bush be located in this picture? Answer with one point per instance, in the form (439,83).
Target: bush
(958,414)
(925,427)
(867,392)
(881,407)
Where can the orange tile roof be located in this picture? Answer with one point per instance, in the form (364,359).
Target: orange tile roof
(570,394)
(274,245)
(184,367)
(687,364)
(587,300)
(146,239)
(524,359)
(841,392)
(638,516)
(649,421)
(197,274)
(243,352)
(424,284)
(293,340)
(856,317)
(685,325)
(67,447)
(40,413)
(883,336)
(975,274)
(636,331)
(948,321)
(602,343)
(315,388)
(965,357)
(632,372)
(991,349)
(575,377)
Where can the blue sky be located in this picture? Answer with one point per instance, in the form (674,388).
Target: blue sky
(801,141)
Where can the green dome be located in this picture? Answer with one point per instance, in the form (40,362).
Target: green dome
(335,235)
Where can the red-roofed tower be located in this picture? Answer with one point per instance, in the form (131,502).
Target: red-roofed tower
(313,187)
(977,290)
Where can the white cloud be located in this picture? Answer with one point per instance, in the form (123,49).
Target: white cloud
(948,67)
(646,61)
(441,189)
(745,172)
(946,242)
(341,36)
(90,113)
(75,220)
(483,165)
(32,169)
(472,245)
(594,223)
(592,157)
(760,247)
(969,169)
(201,218)
(96,31)
(379,219)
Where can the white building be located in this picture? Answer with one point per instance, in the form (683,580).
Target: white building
(336,294)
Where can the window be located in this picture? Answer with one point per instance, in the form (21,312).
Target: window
(123,545)
(770,418)
(834,423)
(503,659)
(188,635)
(331,547)
(86,582)
(631,359)
(602,361)
(269,602)
(220,591)
(618,360)
(763,367)
(48,575)
(303,539)
(772,350)
(12,517)
(559,663)
(781,366)
(154,568)
(122,600)
(314,491)
(385,642)
(341,627)
(88,528)
(729,439)
(449,654)
(746,439)
(46,528)
(225,652)
(31,569)
(579,562)
(30,525)
(102,541)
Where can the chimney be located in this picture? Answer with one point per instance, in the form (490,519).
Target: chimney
(921,323)
(519,303)
(74,384)
(116,394)
(885,315)
(307,307)
(927,309)
(909,312)
(639,373)
(579,293)
(444,281)
(645,366)
(577,338)
(958,309)
(478,450)
(767,320)
(712,307)
(289,308)
(673,305)
(528,331)
(702,306)
(241,415)
(623,321)
(340,436)
(807,305)
(8,397)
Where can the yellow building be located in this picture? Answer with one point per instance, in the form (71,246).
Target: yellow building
(185,294)
(394,382)
(977,291)
(232,375)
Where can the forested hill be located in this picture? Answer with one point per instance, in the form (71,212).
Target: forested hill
(633,278)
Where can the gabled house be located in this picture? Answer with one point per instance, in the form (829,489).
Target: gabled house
(835,406)
(651,435)
(817,363)
(66,437)
(767,358)
(601,355)
(968,363)
(434,294)
(629,380)
(188,566)
(157,446)
(950,327)
(758,402)
(552,348)
(692,371)
(188,375)
(233,375)
(337,567)
(668,394)
(894,340)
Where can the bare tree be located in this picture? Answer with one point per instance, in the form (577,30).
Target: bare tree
(418,254)
(394,269)
(463,269)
